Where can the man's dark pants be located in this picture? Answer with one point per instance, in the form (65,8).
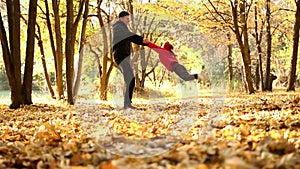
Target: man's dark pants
(128,75)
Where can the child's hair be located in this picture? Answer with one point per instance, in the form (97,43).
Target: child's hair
(169,47)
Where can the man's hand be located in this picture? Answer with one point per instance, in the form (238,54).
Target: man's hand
(145,41)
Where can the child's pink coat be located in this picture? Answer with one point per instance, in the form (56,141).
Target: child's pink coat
(166,57)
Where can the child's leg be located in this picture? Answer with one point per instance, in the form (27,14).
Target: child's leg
(181,71)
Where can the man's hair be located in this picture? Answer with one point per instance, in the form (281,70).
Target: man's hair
(123,13)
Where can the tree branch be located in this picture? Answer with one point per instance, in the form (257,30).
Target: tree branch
(219,14)
(152,70)
(79,13)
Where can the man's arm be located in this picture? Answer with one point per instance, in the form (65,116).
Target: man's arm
(137,40)
(121,32)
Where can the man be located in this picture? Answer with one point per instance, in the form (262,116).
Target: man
(122,39)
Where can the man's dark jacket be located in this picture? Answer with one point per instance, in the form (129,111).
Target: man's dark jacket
(122,38)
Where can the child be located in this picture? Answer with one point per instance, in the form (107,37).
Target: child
(169,60)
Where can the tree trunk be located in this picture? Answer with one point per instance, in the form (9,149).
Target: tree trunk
(257,76)
(6,54)
(293,67)
(103,78)
(11,52)
(261,72)
(162,78)
(47,78)
(246,48)
(143,57)
(269,49)
(82,41)
(13,12)
(135,65)
(16,102)
(144,67)
(71,30)
(27,82)
(96,55)
(68,51)
(48,21)
(244,45)
(41,46)
(131,11)
(112,64)
(229,57)
(258,39)
(59,50)
(106,70)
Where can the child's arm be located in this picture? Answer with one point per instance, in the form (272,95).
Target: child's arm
(155,47)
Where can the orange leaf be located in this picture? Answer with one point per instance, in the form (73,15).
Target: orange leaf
(107,165)
(202,166)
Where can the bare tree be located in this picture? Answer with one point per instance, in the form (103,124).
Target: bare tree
(229,57)
(237,22)
(59,48)
(20,93)
(81,45)
(27,81)
(293,67)
(242,37)
(267,85)
(258,39)
(107,61)
(71,30)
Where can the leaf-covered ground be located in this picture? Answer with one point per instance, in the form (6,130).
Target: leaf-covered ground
(260,131)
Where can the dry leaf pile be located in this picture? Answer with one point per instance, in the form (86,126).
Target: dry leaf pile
(259,131)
